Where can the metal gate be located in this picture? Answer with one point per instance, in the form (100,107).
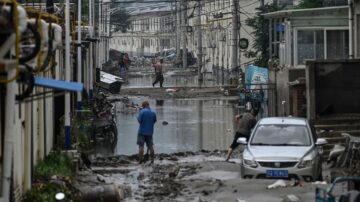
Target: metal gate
(261,97)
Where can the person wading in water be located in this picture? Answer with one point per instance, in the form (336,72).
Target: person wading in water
(158,73)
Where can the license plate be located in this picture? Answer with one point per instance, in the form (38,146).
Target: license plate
(277,173)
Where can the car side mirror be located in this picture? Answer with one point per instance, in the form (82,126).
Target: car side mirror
(320,142)
(241,140)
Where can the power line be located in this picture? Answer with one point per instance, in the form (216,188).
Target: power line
(242,27)
(221,9)
(170,23)
(197,5)
(255,1)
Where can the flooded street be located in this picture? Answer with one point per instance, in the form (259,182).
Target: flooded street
(179,100)
(193,131)
(183,125)
(172,78)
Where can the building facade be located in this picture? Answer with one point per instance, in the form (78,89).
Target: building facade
(152,30)
(32,97)
(320,34)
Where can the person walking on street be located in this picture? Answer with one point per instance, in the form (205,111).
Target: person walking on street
(147,120)
(243,123)
(123,70)
(126,65)
(158,73)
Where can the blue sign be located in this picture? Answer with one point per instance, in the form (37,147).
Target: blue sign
(280,27)
(256,82)
(277,173)
(256,76)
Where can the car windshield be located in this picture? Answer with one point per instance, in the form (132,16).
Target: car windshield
(281,135)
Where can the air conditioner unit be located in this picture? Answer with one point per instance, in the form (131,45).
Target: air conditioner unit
(218,15)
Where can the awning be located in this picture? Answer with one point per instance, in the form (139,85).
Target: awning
(309,12)
(58,84)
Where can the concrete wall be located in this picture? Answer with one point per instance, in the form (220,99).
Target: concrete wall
(282,89)
(333,88)
(35,119)
(28,130)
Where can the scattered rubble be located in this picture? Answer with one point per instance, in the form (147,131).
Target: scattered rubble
(182,176)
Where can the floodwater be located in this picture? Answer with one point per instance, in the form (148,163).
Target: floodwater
(183,125)
(171,79)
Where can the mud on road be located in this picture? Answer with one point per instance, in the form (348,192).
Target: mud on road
(184,176)
(181,92)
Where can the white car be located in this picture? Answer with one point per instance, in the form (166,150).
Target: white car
(282,147)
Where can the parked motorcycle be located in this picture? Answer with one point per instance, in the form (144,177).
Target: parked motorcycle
(346,156)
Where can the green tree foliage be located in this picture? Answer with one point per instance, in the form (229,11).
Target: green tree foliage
(55,163)
(260,26)
(46,192)
(120,20)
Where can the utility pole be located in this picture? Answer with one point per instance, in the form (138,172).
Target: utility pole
(184,46)
(91,64)
(178,30)
(238,69)
(199,42)
(67,145)
(107,31)
(235,33)
(78,97)
(99,35)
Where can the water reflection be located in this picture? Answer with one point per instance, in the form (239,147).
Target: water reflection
(193,124)
(170,79)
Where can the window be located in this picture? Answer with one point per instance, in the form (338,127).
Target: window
(310,45)
(337,44)
(284,135)
(321,44)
